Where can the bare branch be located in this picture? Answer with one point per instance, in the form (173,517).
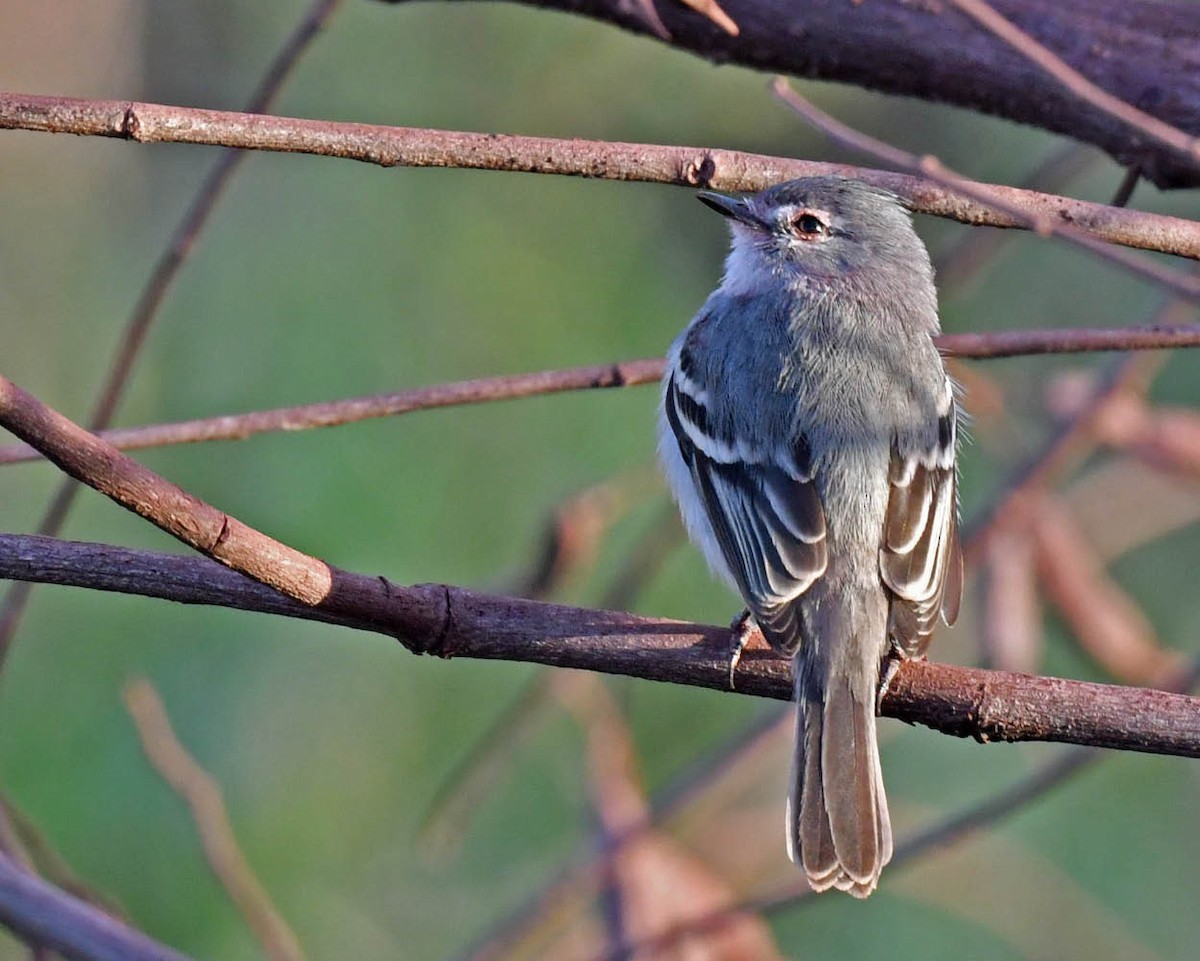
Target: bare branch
(455,622)
(202,795)
(683,166)
(630,373)
(40,913)
(1142,52)
(334,413)
(938,172)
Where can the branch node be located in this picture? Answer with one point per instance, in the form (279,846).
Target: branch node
(131,123)
(440,644)
(222,536)
(699,171)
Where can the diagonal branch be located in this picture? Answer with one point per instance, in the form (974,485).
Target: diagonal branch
(182,242)
(929,166)
(683,166)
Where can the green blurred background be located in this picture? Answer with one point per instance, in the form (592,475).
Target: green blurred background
(320,279)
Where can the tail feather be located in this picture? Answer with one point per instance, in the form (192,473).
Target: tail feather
(838,825)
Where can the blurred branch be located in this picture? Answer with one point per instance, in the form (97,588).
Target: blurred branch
(40,913)
(932,168)
(944,832)
(981,346)
(683,166)
(1103,617)
(1064,446)
(146,309)
(202,795)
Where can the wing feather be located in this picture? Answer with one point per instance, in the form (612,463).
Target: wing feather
(921,560)
(766,515)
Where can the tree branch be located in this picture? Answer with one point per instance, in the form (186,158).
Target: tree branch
(41,914)
(1143,52)
(684,166)
(630,373)
(456,622)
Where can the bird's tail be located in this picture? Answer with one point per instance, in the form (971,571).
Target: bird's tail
(838,827)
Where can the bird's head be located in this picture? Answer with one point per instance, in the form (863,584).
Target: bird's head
(822,231)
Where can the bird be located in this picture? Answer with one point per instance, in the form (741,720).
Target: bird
(808,430)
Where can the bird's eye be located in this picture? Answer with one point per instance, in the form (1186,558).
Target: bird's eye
(809,226)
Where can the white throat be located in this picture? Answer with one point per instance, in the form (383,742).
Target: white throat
(746,270)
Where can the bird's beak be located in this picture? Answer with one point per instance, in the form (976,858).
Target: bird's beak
(735,208)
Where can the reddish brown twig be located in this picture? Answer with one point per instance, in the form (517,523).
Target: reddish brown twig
(684,166)
(631,373)
(334,413)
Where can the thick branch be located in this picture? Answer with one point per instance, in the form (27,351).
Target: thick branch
(1145,52)
(455,622)
(43,915)
(686,166)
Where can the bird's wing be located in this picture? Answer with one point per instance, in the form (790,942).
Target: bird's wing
(763,508)
(920,560)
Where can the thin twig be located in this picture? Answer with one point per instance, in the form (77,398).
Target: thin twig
(933,169)
(1174,139)
(683,166)
(1128,184)
(197,788)
(962,261)
(335,413)
(982,346)
(144,312)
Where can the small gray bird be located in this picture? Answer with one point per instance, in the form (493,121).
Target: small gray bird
(808,433)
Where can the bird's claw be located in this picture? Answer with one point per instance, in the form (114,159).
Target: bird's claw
(742,627)
(891,667)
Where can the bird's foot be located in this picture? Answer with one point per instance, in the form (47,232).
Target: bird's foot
(742,627)
(891,667)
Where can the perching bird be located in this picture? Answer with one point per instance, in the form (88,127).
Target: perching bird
(808,433)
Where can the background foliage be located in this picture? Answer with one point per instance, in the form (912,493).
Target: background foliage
(318,280)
